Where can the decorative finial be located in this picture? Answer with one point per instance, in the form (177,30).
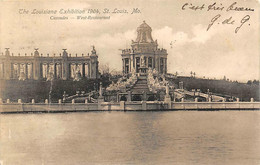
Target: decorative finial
(64,54)
(36,53)
(93,50)
(143,21)
(7,53)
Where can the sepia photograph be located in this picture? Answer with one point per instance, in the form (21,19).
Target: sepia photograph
(129,82)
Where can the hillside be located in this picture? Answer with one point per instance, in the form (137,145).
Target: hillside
(241,90)
(40,90)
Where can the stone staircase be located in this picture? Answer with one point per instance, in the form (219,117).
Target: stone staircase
(141,85)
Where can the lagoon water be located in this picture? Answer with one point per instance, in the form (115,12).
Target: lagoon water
(170,137)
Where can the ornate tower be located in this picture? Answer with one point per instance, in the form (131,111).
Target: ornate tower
(94,63)
(144,53)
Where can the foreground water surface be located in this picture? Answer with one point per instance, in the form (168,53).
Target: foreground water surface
(172,137)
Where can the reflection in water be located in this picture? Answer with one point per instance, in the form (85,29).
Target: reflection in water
(224,137)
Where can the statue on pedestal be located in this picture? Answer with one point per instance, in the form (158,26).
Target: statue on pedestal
(77,76)
(167,89)
(22,76)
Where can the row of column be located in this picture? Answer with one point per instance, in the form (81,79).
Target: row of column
(24,71)
(57,70)
(160,64)
(163,65)
(83,69)
(44,70)
(36,72)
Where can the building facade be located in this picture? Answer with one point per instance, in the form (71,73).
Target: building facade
(36,66)
(144,53)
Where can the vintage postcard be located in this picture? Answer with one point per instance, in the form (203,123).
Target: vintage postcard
(129,82)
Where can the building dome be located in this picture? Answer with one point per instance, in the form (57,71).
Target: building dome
(144,25)
(144,34)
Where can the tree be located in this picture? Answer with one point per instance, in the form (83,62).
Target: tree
(256,82)
(191,73)
(249,82)
(104,69)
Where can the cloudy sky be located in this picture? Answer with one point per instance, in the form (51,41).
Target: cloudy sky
(213,53)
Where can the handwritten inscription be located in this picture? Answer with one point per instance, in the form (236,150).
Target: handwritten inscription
(236,8)
(215,6)
(218,18)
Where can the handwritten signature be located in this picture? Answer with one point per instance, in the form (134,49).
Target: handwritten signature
(219,19)
(229,21)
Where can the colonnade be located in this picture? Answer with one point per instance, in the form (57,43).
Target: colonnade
(158,63)
(41,67)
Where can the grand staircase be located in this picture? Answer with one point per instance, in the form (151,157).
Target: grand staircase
(140,85)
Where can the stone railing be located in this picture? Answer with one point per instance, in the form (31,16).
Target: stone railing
(46,107)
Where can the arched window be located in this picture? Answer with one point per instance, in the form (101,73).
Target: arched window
(79,68)
(15,71)
(150,62)
(51,70)
(44,70)
(127,65)
(137,64)
(86,69)
(1,70)
(72,70)
(123,98)
(29,71)
(137,98)
(58,70)
(161,65)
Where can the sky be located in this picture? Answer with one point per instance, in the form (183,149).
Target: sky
(215,53)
